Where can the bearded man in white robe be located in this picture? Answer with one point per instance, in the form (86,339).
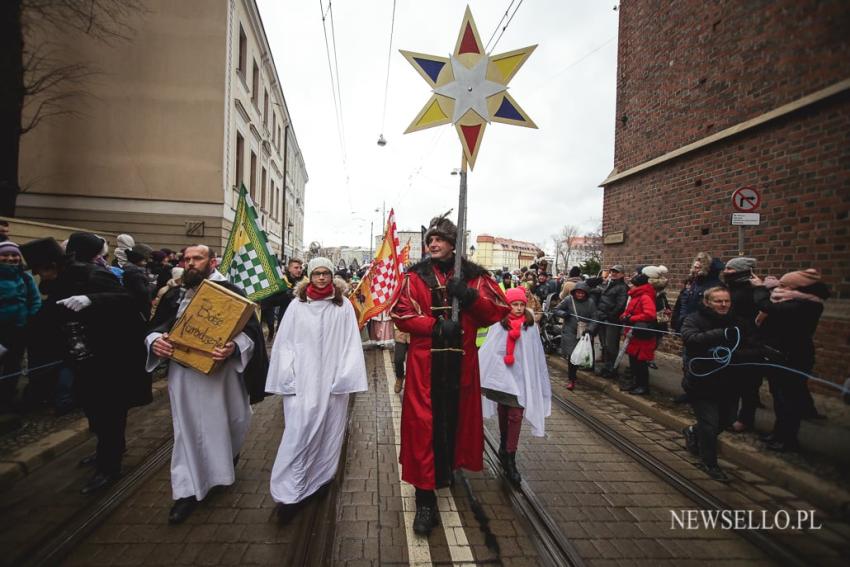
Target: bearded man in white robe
(316,362)
(211,413)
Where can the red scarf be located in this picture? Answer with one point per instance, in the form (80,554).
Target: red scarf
(315,293)
(515,322)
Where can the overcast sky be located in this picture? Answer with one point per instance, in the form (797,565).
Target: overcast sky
(526,183)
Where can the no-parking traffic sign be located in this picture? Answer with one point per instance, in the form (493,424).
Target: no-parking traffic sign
(746,199)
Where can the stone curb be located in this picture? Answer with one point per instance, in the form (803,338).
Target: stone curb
(23,462)
(829,497)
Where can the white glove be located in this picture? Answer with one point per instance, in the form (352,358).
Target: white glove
(75,302)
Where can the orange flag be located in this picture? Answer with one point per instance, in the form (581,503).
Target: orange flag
(404,255)
(379,287)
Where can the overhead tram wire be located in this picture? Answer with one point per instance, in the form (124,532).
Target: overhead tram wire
(505,15)
(387,83)
(507,24)
(338,89)
(335,94)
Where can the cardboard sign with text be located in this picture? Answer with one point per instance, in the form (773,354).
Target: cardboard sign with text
(213,317)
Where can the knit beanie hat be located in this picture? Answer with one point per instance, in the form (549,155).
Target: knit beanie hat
(640,279)
(84,246)
(444,228)
(139,252)
(9,247)
(800,278)
(575,272)
(516,294)
(176,273)
(125,241)
(741,264)
(319,262)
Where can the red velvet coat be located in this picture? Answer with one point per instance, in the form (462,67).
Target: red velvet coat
(412,314)
(641,308)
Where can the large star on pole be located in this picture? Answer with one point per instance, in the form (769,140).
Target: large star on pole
(470,88)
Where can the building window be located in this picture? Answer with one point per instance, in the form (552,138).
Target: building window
(252,182)
(240,151)
(274,128)
(266,108)
(263,190)
(243,51)
(255,84)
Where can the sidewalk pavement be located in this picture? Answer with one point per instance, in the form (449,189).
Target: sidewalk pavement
(824,484)
(47,445)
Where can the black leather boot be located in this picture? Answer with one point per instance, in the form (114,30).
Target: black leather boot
(511,471)
(182,509)
(503,452)
(426,519)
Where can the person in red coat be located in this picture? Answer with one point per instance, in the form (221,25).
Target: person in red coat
(641,314)
(441,423)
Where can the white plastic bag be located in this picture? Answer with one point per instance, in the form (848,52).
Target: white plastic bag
(582,355)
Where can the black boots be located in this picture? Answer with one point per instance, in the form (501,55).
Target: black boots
(98,481)
(182,509)
(510,469)
(427,518)
(508,461)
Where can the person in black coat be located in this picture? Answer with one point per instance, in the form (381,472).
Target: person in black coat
(103,333)
(611,304)
(136,279)
(713,396)
(736,276)
(788,318)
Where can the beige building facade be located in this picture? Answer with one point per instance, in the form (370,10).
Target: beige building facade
(496,253)
(163,133)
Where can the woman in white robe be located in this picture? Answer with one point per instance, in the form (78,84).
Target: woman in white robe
(316,362)
(514,378)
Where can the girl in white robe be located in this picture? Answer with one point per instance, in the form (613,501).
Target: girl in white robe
(316,362)
(515,378)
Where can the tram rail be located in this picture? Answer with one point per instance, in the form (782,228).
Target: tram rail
(772,548)
(554,547)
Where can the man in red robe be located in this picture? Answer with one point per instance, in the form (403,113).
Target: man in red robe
(441,423)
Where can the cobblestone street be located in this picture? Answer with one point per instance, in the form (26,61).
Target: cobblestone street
(611,508)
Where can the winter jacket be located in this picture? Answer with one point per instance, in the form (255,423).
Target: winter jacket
(743,298)
(690,298)
(19,297)
(114,332)
(612,301)
(641,309)
(789,328)
(568,286)
(702,332)
(570,307)
(136,281)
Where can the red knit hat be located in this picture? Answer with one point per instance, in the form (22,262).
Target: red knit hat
(516,294)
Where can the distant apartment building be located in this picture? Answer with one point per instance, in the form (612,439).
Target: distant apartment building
(496,253)
(414,237)
(170,126)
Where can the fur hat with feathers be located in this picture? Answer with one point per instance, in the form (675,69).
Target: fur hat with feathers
(444,228)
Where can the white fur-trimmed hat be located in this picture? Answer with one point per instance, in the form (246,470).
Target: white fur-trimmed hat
(319,262)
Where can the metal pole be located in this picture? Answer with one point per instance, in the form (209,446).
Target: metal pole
(740,240)
(460,245)
(371,239)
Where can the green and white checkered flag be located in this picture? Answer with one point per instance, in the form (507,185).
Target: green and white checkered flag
(248,261)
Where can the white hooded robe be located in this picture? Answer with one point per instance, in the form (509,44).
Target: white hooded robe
(527,378)
(316,362)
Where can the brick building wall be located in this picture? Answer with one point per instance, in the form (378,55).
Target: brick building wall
(761,55)
(691,68)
